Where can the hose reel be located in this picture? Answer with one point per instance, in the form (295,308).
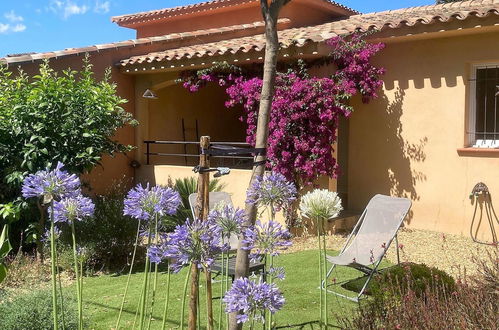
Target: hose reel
(480,196)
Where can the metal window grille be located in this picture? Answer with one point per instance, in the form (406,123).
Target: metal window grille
(484,118)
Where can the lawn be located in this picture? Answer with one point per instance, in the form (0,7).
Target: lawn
(102,296)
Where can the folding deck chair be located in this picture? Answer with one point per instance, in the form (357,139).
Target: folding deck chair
(370,239)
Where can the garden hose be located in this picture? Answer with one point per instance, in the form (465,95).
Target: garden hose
(481,195)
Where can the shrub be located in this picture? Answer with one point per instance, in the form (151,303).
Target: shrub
(397,280)
(33,311)
(185,187)
(471,305)
(107,239)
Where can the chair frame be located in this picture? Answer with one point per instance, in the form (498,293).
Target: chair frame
(365,269)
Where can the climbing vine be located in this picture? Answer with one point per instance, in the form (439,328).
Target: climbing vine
(305,110)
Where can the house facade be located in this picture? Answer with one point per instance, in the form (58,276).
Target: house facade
(430,136)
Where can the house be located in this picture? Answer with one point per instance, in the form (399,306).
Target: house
(431,136)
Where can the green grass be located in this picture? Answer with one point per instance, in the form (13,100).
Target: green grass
(102,296)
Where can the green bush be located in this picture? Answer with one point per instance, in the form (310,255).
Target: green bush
(441,305)
(33,311)
(107,239)
(399,279)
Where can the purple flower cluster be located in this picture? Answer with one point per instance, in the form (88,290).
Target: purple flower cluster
(251,299)
(145,203)
(71,209)
(266,238)
(197,242)
(51,184)
(158,252)
(228,218)
(272,190)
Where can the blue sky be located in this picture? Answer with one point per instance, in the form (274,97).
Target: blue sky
(46,25)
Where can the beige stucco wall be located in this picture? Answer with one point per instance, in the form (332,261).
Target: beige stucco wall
(405,143)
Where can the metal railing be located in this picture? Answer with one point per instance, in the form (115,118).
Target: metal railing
(237,160)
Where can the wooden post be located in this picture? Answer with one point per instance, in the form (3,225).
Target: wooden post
(201,212)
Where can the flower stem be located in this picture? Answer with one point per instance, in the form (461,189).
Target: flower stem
(129,276)
(320,270)
(77,274)
(184,296)
(53,268)
(325,275)
(145,285)
(227,279)
(63,316)
(220,313)
(209,300)
(271,280)
(165,312)
(155,276)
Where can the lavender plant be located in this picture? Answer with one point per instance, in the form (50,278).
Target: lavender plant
(251,300)
(321,205)
(147,204)
(230,220)
(49,186)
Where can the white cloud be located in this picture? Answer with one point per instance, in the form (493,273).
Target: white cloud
(102,7)
(8,28)
(67,8)
(12,17)
(18,28)
(4,28)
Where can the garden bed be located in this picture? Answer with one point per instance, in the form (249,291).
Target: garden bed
(451,253)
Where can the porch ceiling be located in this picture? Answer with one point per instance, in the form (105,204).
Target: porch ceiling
(407,18)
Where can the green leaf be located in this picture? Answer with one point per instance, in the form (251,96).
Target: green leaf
(5,246)
(3,272)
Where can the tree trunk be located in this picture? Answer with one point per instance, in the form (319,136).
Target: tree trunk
(270,14)
(201,212)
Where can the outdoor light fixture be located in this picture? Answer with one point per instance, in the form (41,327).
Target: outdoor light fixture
(149,94)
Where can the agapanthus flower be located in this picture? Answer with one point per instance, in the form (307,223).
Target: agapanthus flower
(320,204)
(250,299)
(51,184)
(157,252)
(272,190)
(46,235)
(266,238)
(228,218)
(70,209)
(198,242)
(146,203)
(277,273)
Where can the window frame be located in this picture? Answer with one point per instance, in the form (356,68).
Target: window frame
(473,142)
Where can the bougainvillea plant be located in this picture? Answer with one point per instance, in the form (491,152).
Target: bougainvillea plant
(305,110)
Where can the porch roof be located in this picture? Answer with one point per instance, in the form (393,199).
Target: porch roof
(299,37)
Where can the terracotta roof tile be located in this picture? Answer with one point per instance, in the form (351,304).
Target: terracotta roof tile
(130,19)
(391,19)
(290,37)
(248,28)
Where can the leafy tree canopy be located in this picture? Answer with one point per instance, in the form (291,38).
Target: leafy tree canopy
(69,117)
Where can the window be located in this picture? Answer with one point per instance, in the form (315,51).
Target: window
(484,114)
